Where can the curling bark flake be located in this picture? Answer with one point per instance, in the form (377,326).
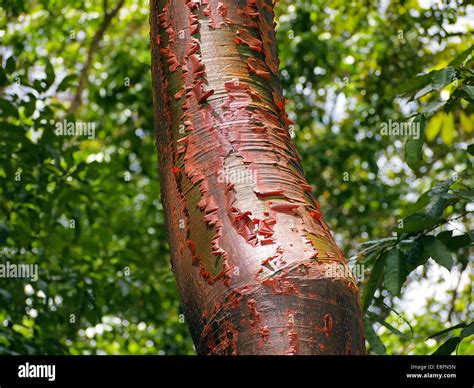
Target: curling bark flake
(257,268)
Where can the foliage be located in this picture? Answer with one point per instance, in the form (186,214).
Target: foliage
(87,210)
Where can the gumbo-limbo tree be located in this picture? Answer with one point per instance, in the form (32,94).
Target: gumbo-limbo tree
(256,266)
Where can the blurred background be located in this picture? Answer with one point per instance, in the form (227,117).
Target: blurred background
(86,209)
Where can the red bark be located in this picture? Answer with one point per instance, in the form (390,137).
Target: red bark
(257,268)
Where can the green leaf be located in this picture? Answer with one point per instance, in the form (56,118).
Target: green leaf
(466,194)
(10,65)
(467,331)
(448,347)
(469,90)
(461,58)
(30,105)
(14,133)
(436,207)
(417,222)
(441,187)
(7,109)
(373,282)
(50,75)
(410,85)
(470,149)
(414,146)
(438,202)
(439,252)
(421,203)
(458,326)
(433,106)
(443,77)
(466,123)
(415,257)
(445,236)
(66,83)
(373,339)
(422,92)
(456,242)
(434,126)
(393,278)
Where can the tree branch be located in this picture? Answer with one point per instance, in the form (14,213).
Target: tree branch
(76,102)
(455,294)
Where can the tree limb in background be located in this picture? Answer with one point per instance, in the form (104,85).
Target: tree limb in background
(76,102)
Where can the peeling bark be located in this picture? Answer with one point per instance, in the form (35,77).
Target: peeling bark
(257,268)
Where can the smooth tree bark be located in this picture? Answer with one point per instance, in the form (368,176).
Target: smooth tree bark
(258,271)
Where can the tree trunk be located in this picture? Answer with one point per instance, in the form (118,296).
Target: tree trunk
(257,268)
